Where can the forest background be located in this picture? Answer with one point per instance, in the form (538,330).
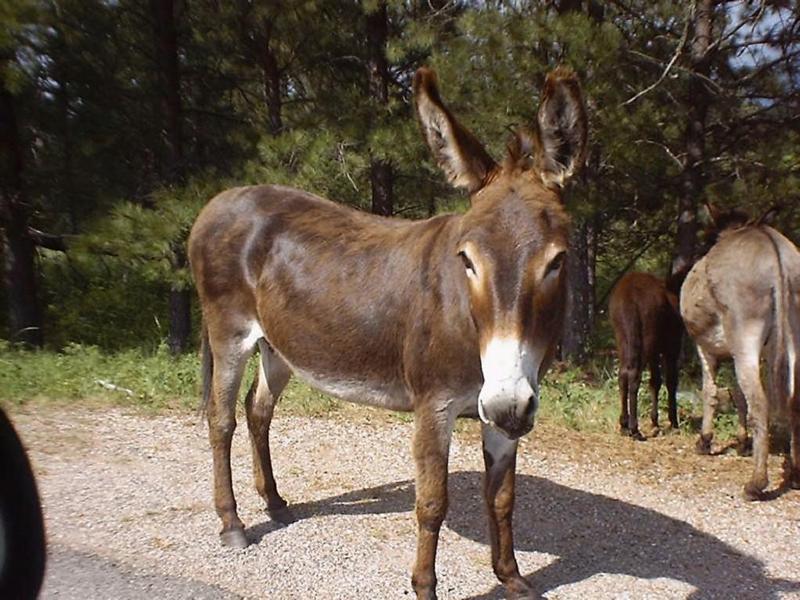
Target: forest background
(119,119)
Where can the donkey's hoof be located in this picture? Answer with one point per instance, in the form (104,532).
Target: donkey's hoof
(703,445)
(282,515)
(637,435)
(234,538)
(744,448)
(753,492)
(519,588)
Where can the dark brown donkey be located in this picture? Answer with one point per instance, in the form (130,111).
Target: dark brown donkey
(742,301)
(456,315)
(648,330)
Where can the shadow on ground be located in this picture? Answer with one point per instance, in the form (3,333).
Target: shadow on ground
(588,533)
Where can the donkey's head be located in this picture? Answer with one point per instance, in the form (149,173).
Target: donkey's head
(513,239)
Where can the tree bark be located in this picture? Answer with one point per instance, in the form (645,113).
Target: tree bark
(166,34)
(579,317)
(20,272)
(698,101)
(381,172)
(170,83)
(272,81)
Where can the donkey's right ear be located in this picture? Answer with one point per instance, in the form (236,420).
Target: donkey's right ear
(459,154)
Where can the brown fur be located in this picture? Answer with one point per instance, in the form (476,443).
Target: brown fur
(380,310)
(648,331)
(742,301)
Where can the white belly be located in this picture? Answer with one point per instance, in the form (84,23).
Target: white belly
(381,395)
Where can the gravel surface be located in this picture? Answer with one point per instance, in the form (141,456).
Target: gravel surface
(127,501)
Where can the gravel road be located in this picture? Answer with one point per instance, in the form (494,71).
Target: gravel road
(127,501)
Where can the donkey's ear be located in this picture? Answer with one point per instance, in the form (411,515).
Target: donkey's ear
(714,214)
(563,128)
(460,155)
(769,216)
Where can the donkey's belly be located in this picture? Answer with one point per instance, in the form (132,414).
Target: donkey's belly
(359,390)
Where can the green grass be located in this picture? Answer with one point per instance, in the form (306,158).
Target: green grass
(582,399)
(156,379)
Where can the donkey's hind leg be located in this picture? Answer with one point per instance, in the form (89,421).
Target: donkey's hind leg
(793,474)
(744,445)
(230,359)
(634,381)
(709,364)
(655,387)
(273,375)
(671,377)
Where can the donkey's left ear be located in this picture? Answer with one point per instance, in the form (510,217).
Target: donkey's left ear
(563,128)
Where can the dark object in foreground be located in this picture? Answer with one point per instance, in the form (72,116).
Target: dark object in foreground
(22,543)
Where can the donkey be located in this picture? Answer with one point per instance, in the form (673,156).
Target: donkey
(742,301)
(643,310)
(457,315)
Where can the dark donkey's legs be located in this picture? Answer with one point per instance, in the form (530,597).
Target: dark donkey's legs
(500,457)
(230,358)
(630,378)
(655,387)
(623,399)
(671,376)
(273,375)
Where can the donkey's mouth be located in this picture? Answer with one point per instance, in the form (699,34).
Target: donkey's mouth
(508,423)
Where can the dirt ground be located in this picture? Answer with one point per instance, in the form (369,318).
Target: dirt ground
(127,501)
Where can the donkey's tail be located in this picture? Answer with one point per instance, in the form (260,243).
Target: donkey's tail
(206,370)
(785,373)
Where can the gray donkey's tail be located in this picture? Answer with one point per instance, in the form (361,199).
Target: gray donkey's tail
(786,349)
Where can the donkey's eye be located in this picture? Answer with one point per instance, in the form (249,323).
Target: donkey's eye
(467,264)
(555,264)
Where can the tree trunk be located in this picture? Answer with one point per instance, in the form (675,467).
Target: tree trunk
(63,101)
(698,101)
(381,172)
(169,77)
(579,317)
(272,81)
(20,273)
(163,12)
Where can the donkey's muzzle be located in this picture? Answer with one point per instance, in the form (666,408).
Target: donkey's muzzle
(513,426)
(510,407)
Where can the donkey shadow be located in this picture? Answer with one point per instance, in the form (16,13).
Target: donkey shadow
(589,533)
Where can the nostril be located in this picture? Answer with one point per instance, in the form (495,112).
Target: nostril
(531,407)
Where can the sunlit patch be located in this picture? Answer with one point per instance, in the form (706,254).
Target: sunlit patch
(612,586)
(253,335)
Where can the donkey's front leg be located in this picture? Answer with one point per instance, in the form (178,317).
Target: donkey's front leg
(431,445)
(500,458)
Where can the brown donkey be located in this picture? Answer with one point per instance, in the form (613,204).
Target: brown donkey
(455,315)
(643,310)
(742,301)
